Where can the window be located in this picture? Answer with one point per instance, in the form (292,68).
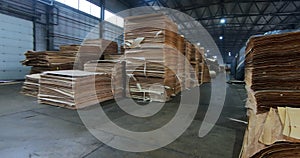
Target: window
(113,18)
(95,10)
(92,9)
(71,3)
(84,6)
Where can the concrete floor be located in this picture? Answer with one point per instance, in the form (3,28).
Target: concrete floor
(29,129)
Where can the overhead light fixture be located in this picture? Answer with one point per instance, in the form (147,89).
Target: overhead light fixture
(208,51)
(223,21)
(229,54)
(198,44)
(221,37)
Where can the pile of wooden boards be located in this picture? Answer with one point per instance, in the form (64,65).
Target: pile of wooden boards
(69,56)
(92,49)
(272,81)
(180,82)
(114,69)
(151,57)
(280,150)
(156,54)
(74,89)
(31,85)
(49,60)
(151,73)
(149,30)
(106,46)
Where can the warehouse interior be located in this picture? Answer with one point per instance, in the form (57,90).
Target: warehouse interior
(149,78)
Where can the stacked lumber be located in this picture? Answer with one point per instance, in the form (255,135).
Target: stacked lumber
(91,49)
(272,83)
(180,81)
(205,76)
(31,85)
(273,59)
(149,30)
(74,89)
(114,57)
(199,62)
(114,69)
(213,65)
(69,48)
(106,46)
(149,67)
(151,57)
(189,72)
(49,60)
(280,150)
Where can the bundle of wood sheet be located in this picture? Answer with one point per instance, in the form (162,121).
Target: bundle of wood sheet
(152,68)
(90,49)
(199,63)
(74,89)
(106,46)
(280,150)
(273,59)
(213,64)
(69,48)
(192,69)
(188,71)
(149,30)
(31,85)
(180,84)
(114,68)
(273,92)
(49,60)
(205,75)
(114,57)
(151,56)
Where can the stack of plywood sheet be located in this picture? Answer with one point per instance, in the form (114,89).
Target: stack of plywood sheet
(192,68)
(74,89)
(113,68)
(205,77)
(272,81)
(149,30)
(151,56)
(31,85)
(198,62)
(114,57)
(152,72)
(280,150)
(49,60)
(107,46)
(69,48)
(91,49)
(180,81)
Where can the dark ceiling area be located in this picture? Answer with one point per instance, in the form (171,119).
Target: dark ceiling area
(243,18)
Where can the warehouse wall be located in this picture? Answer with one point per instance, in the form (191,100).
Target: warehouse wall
(56,25)
(72,26)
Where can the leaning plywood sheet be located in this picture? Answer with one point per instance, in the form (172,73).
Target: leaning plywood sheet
(263,130)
